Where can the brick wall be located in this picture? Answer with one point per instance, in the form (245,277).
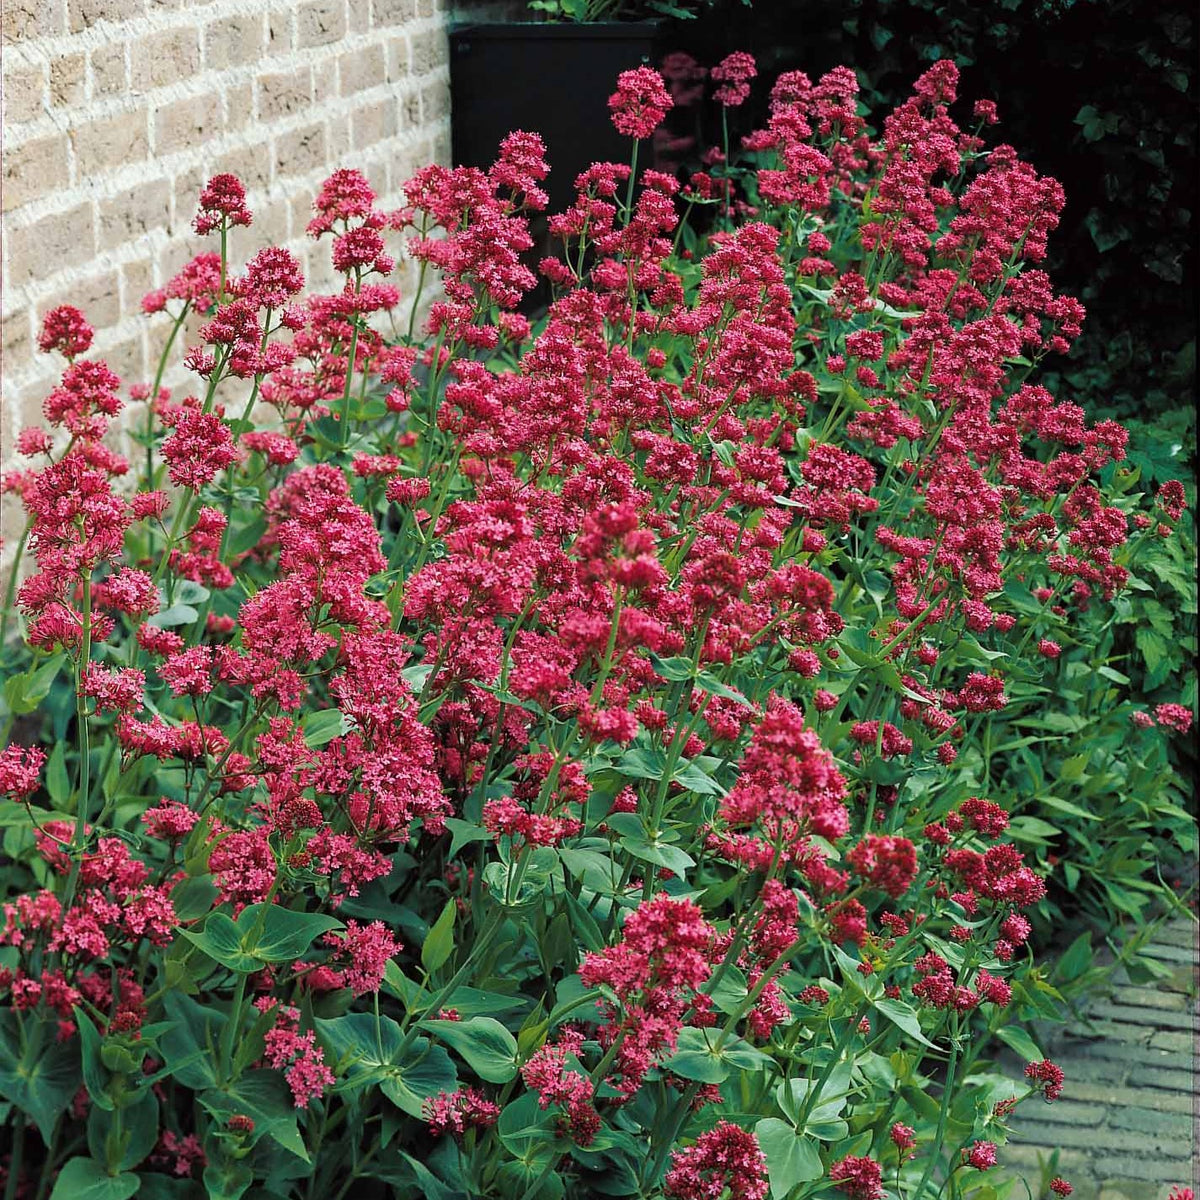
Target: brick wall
(117,111)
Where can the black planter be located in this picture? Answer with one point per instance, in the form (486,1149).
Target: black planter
(552,79)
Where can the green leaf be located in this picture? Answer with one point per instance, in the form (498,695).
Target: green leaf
(189,1047)
(86,1179)
(525,1127)
(177,614)
(227,1179)
(642,764)
(426,1071)
(1077,959)
(284,934)
(248,536)
(322,727)
(1065,806)
(38,1073)
(132,1139)
(439,941)
(58,782)
(695,1058)
(489,1049)
(463,832)
(193,897)
(221,940)
(1017,1039)
(662,854)
(26,691)
(94,1077)
(791,1158)
(265,1098)
(584,924)
(362,1053)
(903,1015)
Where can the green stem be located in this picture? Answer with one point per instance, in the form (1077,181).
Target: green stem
(14,1162)
(350,364)
(150,400)
(85,749)
(935,1150)
(486,935)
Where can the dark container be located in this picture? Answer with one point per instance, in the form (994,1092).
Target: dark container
(552,79)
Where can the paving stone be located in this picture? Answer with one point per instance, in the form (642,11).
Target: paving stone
(1016,1154)
(1140,1054)
(1108,1072)
(1178,954)
(1162,1077)
(1133,1097)
(1148,997)
(1126,1128)
(1145,1170)
(1159,1143)
(1132,1189)
(1033,1114)
(1100,1030)
(1125,1014)
(1148,1121)
(1182,979)
(1180,1043)
(1085,1188)
(1179,933)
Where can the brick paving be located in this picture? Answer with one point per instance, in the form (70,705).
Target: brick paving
(1128,1124)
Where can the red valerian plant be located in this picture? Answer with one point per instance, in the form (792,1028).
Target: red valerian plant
(526,760)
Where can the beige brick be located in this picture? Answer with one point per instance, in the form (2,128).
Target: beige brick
(320,22)
(186,185)
(300,205)
(300,151)
(435,102)
(239,105)
(34,168)
(17,340)
(284,93)
(233,41)
(110,142)
(430,50)
(67,79)
(137,278)
(361,69)
(399,59)
(376,174)
(324,84)
(251,164)
(33,18)
(372,123)
(83,14)
(109,74)
(162,58)
(24,92)
(186,124)
(96,296)
(43,247)
(392,12)
(128,358)
(271,221)
(133,213)
(425,8)
(281,32)
(338,139)
(359,15)
(410,111)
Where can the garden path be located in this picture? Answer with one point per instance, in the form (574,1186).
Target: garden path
(1128,1123)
